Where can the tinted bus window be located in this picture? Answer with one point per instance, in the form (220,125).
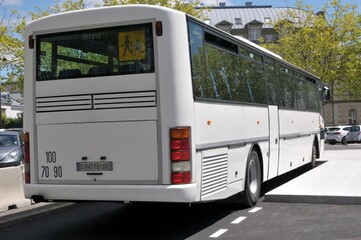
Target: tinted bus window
(95,52)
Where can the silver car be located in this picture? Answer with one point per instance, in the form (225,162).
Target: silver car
(11,148)
(337,134)
(354,135)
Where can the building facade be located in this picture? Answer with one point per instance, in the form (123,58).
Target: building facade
(342,113)
(251,21)
(10,104)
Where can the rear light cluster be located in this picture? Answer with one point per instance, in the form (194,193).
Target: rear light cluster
(26,157)
(180,155)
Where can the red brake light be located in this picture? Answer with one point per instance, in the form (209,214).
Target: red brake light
(179,144)
(26,157)
(181,177)
(180,155)
(26,148)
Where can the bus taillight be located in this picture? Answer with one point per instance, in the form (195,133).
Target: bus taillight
(180,155)
(26,157)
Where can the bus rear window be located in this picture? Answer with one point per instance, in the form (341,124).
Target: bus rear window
(95,52)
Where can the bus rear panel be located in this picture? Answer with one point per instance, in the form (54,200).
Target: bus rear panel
(93,107)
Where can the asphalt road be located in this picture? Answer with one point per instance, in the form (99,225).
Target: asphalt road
(221,220)
(205,221)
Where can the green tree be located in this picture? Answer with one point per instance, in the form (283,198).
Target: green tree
(180,5)
(12,31)
(58,7)
(326,44)
(12,122)
(12,35)
(11,49)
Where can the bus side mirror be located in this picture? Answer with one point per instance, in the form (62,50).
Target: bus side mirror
(326,93)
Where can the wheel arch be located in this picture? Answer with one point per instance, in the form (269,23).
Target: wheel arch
(316,142)
(257,148)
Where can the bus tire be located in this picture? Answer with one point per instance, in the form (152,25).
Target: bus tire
(252,186)
(312,164)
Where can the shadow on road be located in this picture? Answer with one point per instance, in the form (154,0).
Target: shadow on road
(109,220)
(147,220)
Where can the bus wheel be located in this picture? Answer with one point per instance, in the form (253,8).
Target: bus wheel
(252,186)
(312,164)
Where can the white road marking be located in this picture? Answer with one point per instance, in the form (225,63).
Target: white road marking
(256,209)
(218,233)
(238,220)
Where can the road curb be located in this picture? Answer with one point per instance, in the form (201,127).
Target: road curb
(314,199)
(19,214)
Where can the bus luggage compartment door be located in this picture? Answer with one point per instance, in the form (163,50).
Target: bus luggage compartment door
(98,153)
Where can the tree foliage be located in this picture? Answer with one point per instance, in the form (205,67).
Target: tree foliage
(326,44)
(12,30)
(58,7)
(12,122)
(180,5)
(11,48)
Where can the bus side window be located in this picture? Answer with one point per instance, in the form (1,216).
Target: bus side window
(225,78)
(271,83)
(45,75)
(97,70)
(69,73)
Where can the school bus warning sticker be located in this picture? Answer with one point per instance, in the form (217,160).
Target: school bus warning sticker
(132,45)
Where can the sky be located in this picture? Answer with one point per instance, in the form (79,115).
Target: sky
(25,6)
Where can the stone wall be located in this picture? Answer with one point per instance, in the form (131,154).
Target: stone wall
(338,112)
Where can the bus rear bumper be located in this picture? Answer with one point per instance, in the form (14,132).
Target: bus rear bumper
(163,193)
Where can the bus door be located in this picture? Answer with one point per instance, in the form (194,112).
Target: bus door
(274,141)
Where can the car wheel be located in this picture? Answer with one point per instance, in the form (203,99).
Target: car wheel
(252,187)
(344,141)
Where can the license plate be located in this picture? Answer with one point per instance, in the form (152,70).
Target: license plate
(94,166)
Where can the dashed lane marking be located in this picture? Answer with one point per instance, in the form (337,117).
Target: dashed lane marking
(238,220)
(256,209)
(218,233)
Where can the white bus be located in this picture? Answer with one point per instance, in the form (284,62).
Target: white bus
(145,103)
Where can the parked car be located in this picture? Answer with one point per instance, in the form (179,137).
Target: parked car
(11,148)
(337,134)
(354,135)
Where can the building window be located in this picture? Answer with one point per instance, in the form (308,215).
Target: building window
(352,116)
(267,20)
(238,21)
(270,38)
(254,33)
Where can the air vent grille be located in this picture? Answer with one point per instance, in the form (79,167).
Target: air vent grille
(96,101)
(214,174)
